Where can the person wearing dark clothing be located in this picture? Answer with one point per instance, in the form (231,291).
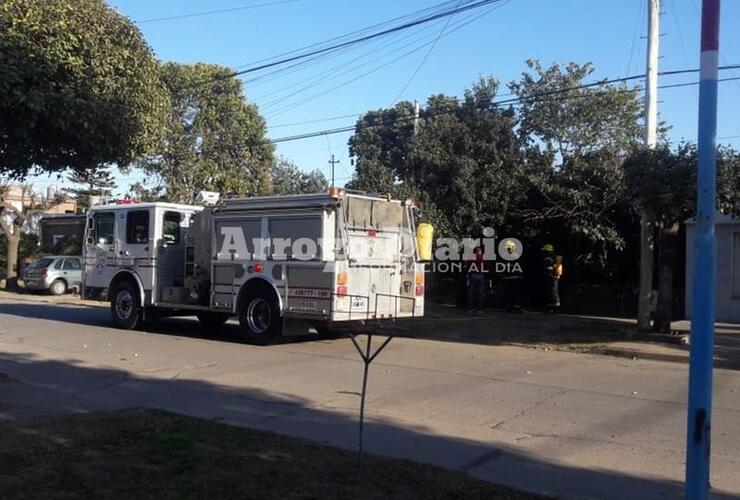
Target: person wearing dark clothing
(513,284)
(476,281)
(550,279)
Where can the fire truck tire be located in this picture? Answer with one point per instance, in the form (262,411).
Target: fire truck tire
(212,319)
(259,316)
(124,306)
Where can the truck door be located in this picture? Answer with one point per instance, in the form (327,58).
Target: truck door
(100,249)
(135,230)
(171,258)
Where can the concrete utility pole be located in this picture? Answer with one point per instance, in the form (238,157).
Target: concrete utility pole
(651,137)
(698,436)
(332,162)
(416,117)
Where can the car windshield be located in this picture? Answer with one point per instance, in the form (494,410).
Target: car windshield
(41,263)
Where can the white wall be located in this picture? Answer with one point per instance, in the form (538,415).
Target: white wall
(728,268)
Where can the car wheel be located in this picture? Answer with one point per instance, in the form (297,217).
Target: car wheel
(259,317)
(124,306)
(211,319)
(58,287)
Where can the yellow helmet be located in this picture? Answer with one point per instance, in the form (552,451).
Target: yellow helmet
(547,248)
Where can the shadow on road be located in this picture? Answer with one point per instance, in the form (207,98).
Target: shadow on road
(446,324)
(83,388)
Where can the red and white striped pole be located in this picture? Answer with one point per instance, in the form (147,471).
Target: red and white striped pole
(698,439)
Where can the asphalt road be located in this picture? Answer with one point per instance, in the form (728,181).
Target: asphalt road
(571,425)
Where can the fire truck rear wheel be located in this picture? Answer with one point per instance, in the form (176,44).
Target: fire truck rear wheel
(259,316)
(124,306)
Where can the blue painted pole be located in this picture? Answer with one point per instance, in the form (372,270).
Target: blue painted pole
(698,439)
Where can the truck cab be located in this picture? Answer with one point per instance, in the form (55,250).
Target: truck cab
(124,244)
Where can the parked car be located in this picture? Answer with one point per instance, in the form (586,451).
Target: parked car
(57,274)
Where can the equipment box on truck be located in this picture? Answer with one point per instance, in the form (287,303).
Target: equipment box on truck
(324,259)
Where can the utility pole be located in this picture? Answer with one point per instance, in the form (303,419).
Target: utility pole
(647,243)
(332,162)
(705,265)
(416,117)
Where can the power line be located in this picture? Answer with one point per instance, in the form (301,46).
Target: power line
(522,100)
(218,11)
(364,38)
(287,106)
(426,56)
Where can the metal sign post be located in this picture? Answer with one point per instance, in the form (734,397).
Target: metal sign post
(367,359)
(704,278)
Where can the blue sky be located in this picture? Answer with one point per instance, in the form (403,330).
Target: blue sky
(607,33)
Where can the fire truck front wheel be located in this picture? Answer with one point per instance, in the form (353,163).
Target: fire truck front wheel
(259,316)
(124,306)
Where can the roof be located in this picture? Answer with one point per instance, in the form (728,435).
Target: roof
(315,200)
(156,204)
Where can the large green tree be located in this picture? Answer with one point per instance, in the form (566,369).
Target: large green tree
(461,159)
(287,178)
(661,183)
(79,87)
(92,183)
(586,132)
(214,139)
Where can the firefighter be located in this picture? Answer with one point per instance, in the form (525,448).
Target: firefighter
(476,281)
(550,279)
(512,281)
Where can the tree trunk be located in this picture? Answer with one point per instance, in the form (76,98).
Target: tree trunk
(666,257)
(11,262)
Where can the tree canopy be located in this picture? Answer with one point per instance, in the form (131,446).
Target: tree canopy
(287,178)
(94,182)
(213,139)
(462,159)
(79,87)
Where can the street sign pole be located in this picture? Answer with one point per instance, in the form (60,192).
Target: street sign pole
(704,274)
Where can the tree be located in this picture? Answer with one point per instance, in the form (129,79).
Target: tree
(214,139)
(661,183)
(286,178)
(463,163)
(96,182)
(14,214)
(79,87)
(586,133)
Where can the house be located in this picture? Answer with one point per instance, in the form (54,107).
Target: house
(727,232)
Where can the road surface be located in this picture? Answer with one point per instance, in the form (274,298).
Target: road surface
(566,424)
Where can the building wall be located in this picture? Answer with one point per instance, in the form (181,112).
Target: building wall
(728,268)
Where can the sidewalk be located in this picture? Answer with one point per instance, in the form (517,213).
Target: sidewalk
(572,333)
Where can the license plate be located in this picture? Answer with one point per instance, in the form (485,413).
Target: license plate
(309,305)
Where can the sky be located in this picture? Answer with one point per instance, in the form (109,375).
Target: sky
(445,56)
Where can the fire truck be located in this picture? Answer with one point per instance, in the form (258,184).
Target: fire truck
(276,263)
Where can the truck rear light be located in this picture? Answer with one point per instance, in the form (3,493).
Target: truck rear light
(372,233)
(342,291)
(258,268)
(342,279)
(419,291)
(420,279)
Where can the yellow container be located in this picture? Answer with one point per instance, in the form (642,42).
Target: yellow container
(424,238)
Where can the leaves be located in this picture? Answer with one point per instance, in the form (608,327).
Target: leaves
(79,87)
(214,139)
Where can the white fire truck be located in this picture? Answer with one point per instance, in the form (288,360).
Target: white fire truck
(323,260)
